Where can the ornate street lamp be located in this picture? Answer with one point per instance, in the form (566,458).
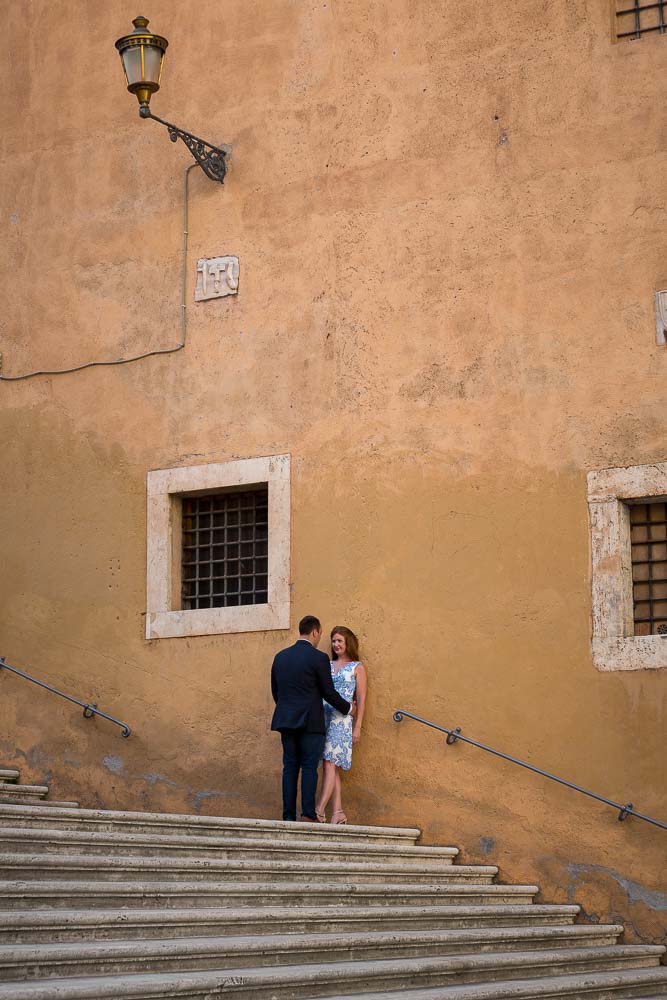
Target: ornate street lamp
(142,55)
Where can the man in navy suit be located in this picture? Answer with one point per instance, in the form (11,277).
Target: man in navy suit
(300,679)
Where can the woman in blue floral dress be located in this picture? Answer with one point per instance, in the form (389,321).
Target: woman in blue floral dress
(343,731)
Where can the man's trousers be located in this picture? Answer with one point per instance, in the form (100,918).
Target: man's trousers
(302,751)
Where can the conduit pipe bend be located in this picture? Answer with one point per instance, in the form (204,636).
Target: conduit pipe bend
(147,354)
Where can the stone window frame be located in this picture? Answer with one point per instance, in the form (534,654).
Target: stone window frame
(614,644)
(165,488)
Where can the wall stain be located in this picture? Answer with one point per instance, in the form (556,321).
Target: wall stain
(635,892)
(113,764)
(154,779)
(197,798)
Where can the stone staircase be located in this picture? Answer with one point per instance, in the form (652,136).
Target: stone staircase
(100,905)
(31,795)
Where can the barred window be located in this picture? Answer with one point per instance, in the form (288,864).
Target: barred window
(635,18)
(627,508)
(648,538)
(225,549)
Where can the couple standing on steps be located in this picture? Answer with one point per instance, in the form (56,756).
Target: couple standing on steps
(319,711)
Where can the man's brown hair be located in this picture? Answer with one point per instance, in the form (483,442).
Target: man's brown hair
(308,625)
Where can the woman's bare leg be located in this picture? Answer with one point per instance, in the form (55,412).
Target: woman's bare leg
(337,801)
(328,785)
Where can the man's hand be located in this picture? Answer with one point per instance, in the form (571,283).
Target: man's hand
(353,709)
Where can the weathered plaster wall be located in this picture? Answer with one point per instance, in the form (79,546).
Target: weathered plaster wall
(450,222)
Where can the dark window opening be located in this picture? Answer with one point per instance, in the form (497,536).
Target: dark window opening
(648,538)
(635,18)
(225,549)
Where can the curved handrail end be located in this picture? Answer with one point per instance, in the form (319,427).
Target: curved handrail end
(90,710)
(454,735)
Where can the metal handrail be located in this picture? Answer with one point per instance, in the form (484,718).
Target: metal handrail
(454,735)
(88,710)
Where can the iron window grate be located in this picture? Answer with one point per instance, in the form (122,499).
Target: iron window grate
(634,19)
(225,549)
(648,539)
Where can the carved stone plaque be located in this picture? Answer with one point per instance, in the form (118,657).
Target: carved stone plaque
(216,277)
(661,316)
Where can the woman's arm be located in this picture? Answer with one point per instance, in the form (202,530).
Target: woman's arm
(362,689)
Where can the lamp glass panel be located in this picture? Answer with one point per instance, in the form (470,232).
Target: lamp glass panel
(152,63)
(132,63)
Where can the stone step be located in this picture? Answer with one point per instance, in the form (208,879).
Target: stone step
(54,804)
(55,926)
(349,978)
(31,894)
(110,843)
(8,774)
(216,826)
(27,961)
(72,866)
(596,986)
(10,792)
(592,986)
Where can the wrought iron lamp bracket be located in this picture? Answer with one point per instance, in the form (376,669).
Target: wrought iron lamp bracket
(212,159)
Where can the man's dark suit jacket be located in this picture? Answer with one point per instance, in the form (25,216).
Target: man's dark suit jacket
(300,679)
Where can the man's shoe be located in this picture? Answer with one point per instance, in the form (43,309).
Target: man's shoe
(308,819)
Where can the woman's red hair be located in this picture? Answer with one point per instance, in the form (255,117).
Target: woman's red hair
(351,641)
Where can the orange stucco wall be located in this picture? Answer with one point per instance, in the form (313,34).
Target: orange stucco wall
(450,220)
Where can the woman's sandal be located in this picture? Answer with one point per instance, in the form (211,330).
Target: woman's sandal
(339,822)
(321,817)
